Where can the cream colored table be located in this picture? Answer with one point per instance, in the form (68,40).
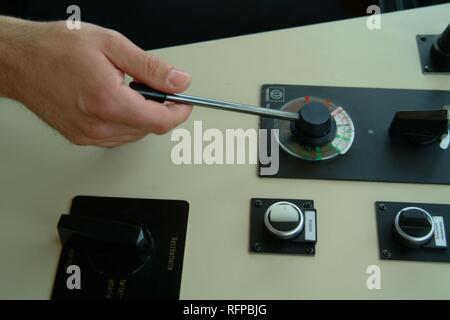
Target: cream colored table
(40,172)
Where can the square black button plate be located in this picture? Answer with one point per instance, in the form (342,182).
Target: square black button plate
(391,249)
(159,279)
(374,156)
(261,241)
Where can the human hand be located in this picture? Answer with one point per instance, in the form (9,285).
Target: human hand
(74,81)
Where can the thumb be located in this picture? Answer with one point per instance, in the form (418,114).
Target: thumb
(146,68)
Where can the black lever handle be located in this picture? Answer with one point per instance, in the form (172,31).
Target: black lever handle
(105,236)
(421,127)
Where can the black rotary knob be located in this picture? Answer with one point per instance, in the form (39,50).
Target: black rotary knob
(315,126)
(414,226)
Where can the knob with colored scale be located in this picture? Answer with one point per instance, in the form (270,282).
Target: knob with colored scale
(324,130)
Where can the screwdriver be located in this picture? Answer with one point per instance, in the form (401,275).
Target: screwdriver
(158,96)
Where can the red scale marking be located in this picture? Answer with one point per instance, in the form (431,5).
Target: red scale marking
(307,99)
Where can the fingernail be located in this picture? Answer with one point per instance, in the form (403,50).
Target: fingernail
(178,78)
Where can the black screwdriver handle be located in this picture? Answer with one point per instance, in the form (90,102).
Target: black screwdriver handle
(149,93)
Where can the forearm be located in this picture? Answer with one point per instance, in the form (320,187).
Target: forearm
(16,45)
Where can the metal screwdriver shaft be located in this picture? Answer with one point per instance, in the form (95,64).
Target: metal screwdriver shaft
(158,96)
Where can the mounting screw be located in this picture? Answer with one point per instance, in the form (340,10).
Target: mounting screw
(423,38)
(309,250)
(382,207)
(426,69)
(386,254)
(258,203)
(257,247)
(307,205)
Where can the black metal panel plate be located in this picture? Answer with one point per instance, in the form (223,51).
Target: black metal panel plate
(167,222)
(373,156)
(391,249)
(262,242)
(424,43)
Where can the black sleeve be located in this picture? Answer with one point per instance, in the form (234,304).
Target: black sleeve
(161,23)
(15,8)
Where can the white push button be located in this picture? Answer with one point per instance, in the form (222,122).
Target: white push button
(284,220)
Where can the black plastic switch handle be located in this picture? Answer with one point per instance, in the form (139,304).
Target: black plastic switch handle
(106,236)
(422,127)
(149,93)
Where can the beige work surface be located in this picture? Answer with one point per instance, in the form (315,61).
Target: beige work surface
(40,173)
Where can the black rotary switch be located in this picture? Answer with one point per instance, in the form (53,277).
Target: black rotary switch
(414,226)
(315,126)
(115,248)
(284,220)
(440,50)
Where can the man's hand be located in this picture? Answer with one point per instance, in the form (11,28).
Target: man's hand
(74,80)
